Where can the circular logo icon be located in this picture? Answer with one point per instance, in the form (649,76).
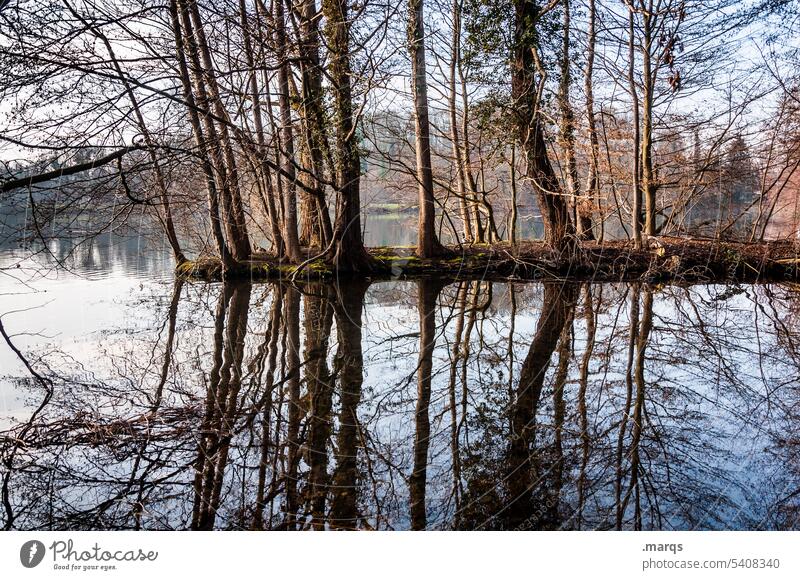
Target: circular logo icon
(31,553)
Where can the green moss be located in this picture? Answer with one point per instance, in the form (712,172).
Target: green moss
(319,266)
(185,268)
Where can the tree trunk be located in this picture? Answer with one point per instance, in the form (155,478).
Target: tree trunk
(314,124)
(286,141)
(347,249)
(637,192)
(514,201)
(265,173)
(648,177)
(567,125)
(212,193)
(225,162)
(428,244)
(461,182)
(593,182)
(529,125)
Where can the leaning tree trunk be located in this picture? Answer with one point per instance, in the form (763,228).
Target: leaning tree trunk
(210,98)
(212,193)
(529,125)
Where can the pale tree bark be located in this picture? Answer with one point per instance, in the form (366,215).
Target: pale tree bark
(593,180)
(479,231)
(636,176)
(582,221)
(648,86)
(455,58)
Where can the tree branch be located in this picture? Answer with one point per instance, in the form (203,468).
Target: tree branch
(64,171)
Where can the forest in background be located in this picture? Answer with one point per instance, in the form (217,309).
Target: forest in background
(244,129)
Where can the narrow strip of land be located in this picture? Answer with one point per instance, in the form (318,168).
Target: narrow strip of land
(663,260)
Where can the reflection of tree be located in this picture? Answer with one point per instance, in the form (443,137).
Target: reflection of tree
(266,362)
(428,293)
(639,336)
(456,422)
(591,330)
(450,408)
(224,382)
(318,321)
(349,366)
(521,468)
(11,445)
(291,368)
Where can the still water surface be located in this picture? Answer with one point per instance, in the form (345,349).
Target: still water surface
(395,405)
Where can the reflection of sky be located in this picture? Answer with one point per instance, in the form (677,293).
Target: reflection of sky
(42,305)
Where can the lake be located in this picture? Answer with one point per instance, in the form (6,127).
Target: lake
(155,404)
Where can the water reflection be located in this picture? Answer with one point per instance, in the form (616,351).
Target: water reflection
(423,405)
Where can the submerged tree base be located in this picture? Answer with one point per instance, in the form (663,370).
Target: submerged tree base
(664,260)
